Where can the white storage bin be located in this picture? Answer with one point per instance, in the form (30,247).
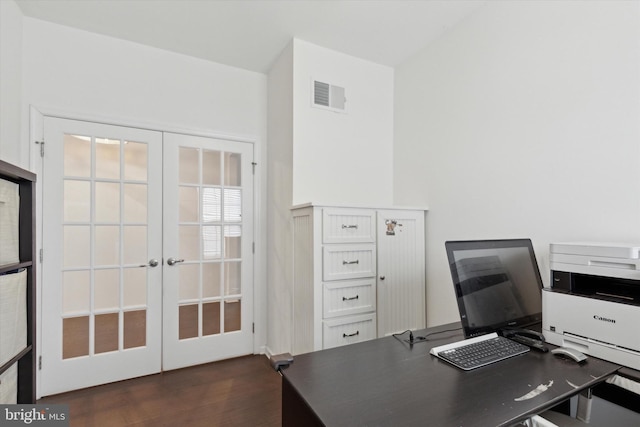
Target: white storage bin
(9,386)
(9,232)
(13,314)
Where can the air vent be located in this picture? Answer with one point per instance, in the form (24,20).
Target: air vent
(329,96)
(321,93)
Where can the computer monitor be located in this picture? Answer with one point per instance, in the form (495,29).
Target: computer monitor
(497,284)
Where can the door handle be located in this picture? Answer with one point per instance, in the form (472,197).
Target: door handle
(173,261)
(152,263)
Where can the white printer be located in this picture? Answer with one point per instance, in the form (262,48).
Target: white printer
(593,304)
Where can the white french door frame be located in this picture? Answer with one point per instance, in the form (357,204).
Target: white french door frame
(34,145)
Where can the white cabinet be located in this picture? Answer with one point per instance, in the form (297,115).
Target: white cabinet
(358,274)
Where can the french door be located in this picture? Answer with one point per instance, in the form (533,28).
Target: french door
(208,245)
(141,272)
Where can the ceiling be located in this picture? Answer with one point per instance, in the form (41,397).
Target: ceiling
(250,34)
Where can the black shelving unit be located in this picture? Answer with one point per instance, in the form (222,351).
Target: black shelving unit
(26,358)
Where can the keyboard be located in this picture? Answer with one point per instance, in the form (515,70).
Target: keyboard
(480,351)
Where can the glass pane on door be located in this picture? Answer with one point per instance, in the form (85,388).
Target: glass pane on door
(209,236)
(104,245)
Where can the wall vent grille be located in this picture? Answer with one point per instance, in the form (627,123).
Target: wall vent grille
(329,96)
(321,93)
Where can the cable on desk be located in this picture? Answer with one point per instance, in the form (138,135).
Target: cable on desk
(424,337)
(402,333)
(420,338)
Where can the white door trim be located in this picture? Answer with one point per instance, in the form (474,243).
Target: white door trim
(141,124)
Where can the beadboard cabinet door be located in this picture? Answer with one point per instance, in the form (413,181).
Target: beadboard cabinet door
(401,271)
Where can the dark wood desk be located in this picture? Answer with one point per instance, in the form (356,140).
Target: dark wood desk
(386,382)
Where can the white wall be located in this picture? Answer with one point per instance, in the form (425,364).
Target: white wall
(342,158)
(321,156)
(10,83)
(522,121)
(102,78)
(79,71)
(280,189)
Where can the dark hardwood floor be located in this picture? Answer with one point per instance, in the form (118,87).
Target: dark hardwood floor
(238,392)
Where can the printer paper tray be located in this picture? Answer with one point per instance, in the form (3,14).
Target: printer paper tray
(600,328)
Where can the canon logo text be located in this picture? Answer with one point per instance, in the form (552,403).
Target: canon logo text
(604,319)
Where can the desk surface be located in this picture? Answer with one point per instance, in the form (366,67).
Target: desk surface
(386,382)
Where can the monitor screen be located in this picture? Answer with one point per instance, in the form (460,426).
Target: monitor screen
(497,284)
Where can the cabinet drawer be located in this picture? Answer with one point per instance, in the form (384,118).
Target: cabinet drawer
(348,226)
(349,330)
(350,297)
(348,262)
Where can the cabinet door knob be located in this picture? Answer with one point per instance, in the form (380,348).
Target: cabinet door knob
(381,277)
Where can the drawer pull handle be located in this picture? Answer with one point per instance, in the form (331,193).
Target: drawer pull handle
(350,298)
(350,262)
(350,226)
(351,335)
